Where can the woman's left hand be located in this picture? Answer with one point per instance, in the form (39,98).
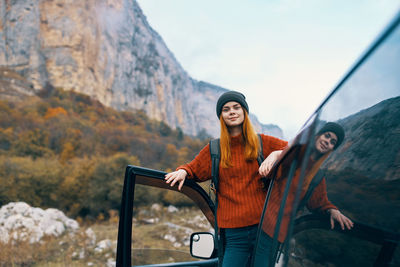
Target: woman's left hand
(336,215)
(268,163)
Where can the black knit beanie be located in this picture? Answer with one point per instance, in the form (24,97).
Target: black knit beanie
(335,128)
(231,96)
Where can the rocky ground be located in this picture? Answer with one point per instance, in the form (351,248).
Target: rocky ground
(31,236)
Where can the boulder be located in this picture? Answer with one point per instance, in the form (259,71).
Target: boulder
(19,221)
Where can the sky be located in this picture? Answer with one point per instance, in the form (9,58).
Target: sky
(286,56)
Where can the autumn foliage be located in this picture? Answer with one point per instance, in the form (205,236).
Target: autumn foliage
(65,150)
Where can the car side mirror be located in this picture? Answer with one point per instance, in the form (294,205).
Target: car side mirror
(202,245)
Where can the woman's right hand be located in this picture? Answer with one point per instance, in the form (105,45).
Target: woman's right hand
(178,176)
(268,163)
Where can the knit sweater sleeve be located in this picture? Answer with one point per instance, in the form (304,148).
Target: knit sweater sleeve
(271,144)
(199,168)
(319,199)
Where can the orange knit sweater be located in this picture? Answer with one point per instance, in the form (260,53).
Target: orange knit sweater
(241,197)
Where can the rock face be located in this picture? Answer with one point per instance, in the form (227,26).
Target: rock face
(106,49)
(13,86)
(367,133)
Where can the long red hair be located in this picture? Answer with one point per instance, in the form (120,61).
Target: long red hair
(250,139)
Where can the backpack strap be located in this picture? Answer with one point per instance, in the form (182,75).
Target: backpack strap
(215,157)
(260,157)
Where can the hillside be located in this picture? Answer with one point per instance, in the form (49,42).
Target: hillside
(107,50)
(361,179)
(370,130)
(65,150)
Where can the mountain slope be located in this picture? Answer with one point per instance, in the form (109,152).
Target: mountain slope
(368,133)
(107,50)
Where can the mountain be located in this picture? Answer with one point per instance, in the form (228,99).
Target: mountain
(368,133)
(107,50)
(363,175)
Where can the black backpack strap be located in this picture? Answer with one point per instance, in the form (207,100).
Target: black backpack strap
(215,157)
(260,157)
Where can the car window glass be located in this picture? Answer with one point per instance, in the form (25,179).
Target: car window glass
(360,177)
(363,175)
(317,247)
(163,221)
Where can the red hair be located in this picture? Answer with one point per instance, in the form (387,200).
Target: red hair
(250,139)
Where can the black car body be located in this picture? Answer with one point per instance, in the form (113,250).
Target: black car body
(363,176)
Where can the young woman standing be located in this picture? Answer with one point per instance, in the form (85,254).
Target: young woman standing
(240,194)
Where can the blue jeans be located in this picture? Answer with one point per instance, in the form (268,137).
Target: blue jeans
(239,245)
(263,252)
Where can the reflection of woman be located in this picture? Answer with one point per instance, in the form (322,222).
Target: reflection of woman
(328,138)
(240,194)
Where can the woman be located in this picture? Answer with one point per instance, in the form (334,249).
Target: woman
(240,193)
(328,138)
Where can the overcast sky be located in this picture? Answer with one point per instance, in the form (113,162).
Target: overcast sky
(285,56)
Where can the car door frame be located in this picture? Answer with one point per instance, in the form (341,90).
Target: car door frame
(139,175)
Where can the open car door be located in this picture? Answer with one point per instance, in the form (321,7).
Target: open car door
(150,226)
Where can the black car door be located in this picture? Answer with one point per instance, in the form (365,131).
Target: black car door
(152,231)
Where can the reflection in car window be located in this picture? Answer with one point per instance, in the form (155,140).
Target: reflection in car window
(362,175)
(367,167)
(305,182)
(324,247)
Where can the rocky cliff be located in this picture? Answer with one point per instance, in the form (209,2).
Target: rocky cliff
(368,133)
(105,49)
